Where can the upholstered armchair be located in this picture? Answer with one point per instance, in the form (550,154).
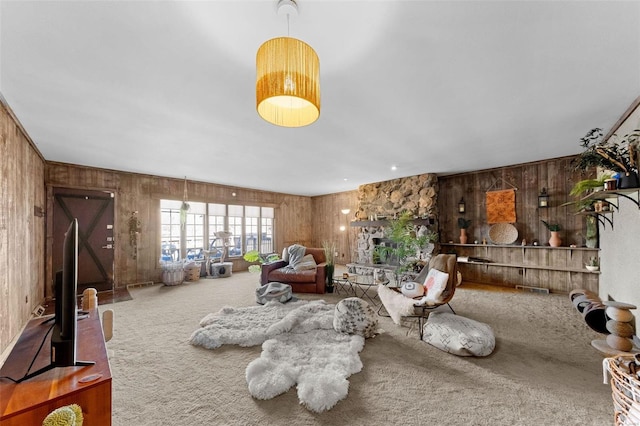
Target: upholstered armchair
(311,280)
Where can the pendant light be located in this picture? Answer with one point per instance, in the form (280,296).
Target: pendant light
(287,78)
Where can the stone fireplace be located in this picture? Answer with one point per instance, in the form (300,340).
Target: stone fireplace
(380,201)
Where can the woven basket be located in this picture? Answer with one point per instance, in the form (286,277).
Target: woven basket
(192,273)
(625,388)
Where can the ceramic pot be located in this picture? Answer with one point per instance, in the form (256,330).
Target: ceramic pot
(329,269)
(628,180)
(555,240)
(463,236)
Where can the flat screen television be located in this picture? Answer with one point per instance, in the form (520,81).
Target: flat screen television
(63,333)
(63,337)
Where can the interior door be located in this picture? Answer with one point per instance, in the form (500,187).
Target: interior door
(94,211)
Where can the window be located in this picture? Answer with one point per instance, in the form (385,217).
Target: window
(251,228)
(170,229)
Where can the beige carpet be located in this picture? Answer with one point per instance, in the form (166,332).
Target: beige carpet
(543,371)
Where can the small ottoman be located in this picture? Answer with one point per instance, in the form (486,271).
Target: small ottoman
(458,335)
(354,316)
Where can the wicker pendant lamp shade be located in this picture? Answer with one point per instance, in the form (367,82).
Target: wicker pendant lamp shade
(287,82)
(287,78)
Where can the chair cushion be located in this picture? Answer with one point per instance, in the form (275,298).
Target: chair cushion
(458,335)
(290,275)
(306,263)
(354,316)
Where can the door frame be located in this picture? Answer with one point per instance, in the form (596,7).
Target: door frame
(49,272)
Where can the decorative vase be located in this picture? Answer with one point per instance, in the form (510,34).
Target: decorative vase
(463,236)
(555,240)
(629,180)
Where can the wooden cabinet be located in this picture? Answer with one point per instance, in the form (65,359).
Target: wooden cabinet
(558,269)
(29,402)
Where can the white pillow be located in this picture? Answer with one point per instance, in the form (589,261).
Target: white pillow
(306,263)
(411,289)
(434,285)
(285,254)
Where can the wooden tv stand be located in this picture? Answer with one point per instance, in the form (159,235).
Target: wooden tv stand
(29,402)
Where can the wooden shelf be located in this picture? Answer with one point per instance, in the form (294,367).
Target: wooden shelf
(385,222)
(539,267)
(514,246)
(625,193)
(557,269)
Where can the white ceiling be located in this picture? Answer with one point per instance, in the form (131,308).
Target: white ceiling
(168,88)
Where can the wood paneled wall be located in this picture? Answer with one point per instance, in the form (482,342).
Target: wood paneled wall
(142,193)
(328,218)
(22,224)
(555,175)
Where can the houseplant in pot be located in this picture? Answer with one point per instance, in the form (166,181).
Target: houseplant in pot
(406,242)
(554,228)
(618,156)
(329,254)
(463,224)
(593,265)
(254,256)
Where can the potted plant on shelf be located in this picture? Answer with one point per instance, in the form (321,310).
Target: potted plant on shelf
(615,155)
(554,228)
(593,265)
(329,253)
(463,224)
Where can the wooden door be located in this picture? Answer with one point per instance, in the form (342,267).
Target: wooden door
(94,211)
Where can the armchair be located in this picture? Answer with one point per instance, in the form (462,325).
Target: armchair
(305,281)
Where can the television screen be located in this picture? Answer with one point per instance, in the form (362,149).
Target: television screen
(63,338)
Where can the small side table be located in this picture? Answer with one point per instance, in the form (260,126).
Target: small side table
(343,283)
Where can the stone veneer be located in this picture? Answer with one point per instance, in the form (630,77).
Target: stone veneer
(416,194)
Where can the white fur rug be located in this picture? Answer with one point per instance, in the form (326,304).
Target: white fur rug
(300,347)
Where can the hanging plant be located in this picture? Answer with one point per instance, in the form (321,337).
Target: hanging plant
(184,208)
(134,230)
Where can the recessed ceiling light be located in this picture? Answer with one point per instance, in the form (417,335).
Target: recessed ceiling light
(345,179)
(394,168)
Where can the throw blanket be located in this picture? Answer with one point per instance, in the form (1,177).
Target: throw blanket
(296,253)
(299,346)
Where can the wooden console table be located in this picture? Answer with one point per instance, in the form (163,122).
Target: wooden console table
(29,402)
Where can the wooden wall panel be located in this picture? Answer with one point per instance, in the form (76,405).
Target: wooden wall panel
(555,175)
(142,194)
(328,218)
(21,227)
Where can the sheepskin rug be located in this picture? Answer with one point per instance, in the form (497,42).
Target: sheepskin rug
(299,347)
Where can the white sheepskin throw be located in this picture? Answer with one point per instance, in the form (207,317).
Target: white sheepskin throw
(240,326)
(300,347)
(396,304)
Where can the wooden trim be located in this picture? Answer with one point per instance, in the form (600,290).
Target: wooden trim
(635,104)
(19,125)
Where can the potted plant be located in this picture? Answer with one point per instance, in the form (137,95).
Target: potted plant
(253,256)
(329,254)
(463,224)
(554,228)
(615,155)
(593,265)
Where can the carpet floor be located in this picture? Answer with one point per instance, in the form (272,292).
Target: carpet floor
(542,372)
